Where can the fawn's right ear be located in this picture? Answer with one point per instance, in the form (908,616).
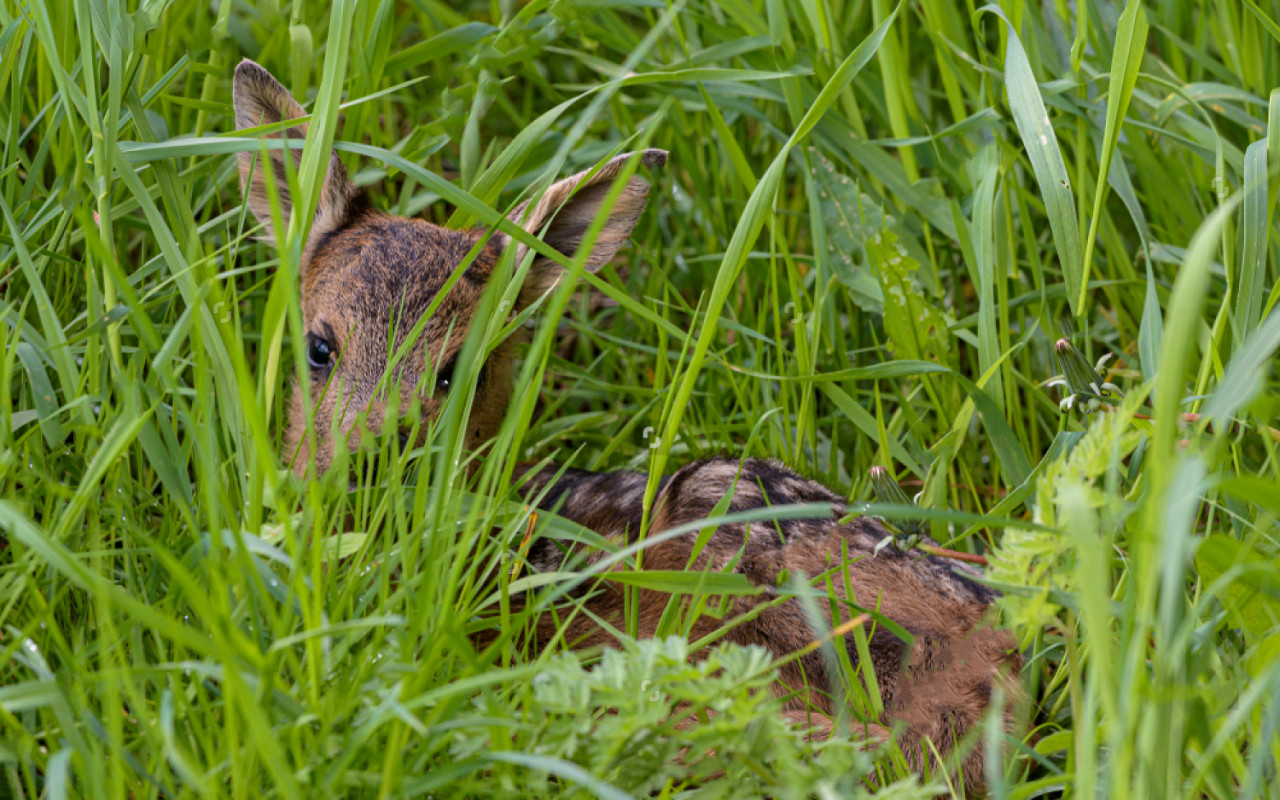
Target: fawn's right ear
(261,100)
(566,211)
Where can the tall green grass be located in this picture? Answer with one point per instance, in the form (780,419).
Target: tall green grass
(876,222)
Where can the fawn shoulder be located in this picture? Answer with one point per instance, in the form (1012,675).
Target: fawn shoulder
(367,277)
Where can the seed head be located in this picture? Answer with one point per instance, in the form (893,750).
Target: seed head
(908,532)
(1085,386)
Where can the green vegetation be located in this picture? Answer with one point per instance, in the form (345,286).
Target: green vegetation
(863,250)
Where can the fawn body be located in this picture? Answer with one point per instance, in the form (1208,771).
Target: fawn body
(360,266)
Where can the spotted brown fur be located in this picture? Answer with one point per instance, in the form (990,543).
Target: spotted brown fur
(363,270)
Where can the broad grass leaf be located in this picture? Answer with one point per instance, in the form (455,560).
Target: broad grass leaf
(27,695)
(686,582)
(439,46)
(1255,224)
(923,197)
(1041,143)
(301,59)
(849,219)
(1263,493)
(1252,596)
(1246,371)
(1131,39)
(342,545)
(58,779)
(1151,329)
(984,170)
(42,392)
(865,422)
(914,328)
(1267,22)
(23,417)
(1189,294)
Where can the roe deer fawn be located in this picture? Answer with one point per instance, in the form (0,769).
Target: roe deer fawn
(360,265)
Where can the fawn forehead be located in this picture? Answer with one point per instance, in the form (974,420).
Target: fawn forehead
(382,272)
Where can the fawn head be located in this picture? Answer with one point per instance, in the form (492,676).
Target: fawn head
(367,277)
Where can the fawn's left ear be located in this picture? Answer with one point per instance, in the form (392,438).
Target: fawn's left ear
(261,100)
(567,210)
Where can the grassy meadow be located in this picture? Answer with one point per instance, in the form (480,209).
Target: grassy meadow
(884,230)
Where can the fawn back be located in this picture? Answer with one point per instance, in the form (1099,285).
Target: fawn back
(361,267)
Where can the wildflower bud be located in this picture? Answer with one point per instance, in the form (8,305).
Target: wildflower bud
(886,488)
(888,491)
(1084,384)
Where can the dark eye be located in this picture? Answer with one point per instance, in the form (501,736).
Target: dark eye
(319,353)
(445,376)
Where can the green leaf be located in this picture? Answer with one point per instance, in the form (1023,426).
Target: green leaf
(42,393)
(686,582)
(1248,287)
(849,219)
(439,46)
(865,422)
(1189,293)
(1263,493)
(752,222)
(1245,373)
(914,328)
(1131,40)
(342,545)
(1041,143)
(1251,596)
(984,170)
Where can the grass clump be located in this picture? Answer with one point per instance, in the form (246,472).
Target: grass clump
(874,220)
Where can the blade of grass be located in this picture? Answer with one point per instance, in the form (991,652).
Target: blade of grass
(1041,145)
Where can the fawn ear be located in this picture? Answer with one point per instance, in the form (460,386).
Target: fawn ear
(260,100)
(564,213)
